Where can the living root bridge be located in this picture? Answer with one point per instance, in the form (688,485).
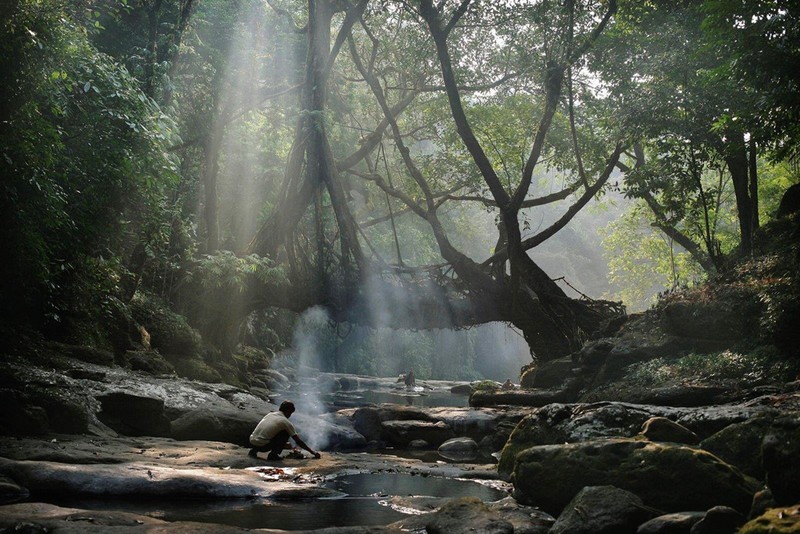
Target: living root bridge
(431,302)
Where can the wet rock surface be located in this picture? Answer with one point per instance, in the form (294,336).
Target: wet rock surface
(129,434)
(551,475)
(783,520)
(675,523)
(467,515)
(602,509)
(663,429)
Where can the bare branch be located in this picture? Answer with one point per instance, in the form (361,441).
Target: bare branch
(353,16)
(427,88)
(529,203)
(288,16)
(544,235)
(372,140)
(462,9)
(578,52)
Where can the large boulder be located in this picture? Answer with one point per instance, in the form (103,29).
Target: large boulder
(149,361)
(663,429)
(539,428)
(689,395)
(145,481)
(674,523)
(86,354)
(67,409)
(719,520)
(10,491)
(739,444)
(467,515)
(708,420)
(551,374)
(133,415)
(525,519)
(781,454)
(666,476)
(403,432)
(520,397)
(19,416)
(602,510)
(790,201)
(328,432)
(775,521)
(367,422)
(170,333)
(570,423)
(593,354)
(459,449)
(475,423)
(214,422)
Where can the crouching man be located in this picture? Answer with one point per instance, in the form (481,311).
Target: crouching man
(273,432)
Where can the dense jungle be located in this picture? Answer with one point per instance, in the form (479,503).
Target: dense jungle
(524,266)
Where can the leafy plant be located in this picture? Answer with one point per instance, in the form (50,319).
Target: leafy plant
(762,365)
(226,270)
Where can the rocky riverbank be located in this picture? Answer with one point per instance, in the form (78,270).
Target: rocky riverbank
(589,444)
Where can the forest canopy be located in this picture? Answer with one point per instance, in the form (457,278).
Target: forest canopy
(398,164)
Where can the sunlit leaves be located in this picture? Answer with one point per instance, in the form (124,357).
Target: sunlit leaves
(642,261)
(84,155)
(226,270)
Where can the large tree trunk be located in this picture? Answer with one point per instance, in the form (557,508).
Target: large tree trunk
(211,152)
(303,174)
(754,183)
(736,159)
(152,48)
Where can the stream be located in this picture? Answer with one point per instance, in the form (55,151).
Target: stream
(366,498)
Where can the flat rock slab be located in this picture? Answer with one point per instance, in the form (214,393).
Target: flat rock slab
(74,449)
(138,480)
(403,432)
(520,397)
(40,517)
(225,457)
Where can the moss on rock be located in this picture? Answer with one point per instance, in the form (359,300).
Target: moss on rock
(666,476)
(775,521)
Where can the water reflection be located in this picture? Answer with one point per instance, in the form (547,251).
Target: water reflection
(365,504)
(385,484)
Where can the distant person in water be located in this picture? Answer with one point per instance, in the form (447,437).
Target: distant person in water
(410,380)
(508,384)
(273,432)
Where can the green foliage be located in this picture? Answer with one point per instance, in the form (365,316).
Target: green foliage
(170,333)
(226,270)
(759,41)
(643,262)
(83,150)
(677,101)
(96,172)
(761,366)
(485,385)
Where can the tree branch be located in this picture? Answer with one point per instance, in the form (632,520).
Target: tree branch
(460,11)
(529,203)
(546,234)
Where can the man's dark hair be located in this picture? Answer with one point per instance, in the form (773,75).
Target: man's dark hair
(286,407)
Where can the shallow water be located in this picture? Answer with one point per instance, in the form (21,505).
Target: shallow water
(428,399)
(366,503)
(383,484)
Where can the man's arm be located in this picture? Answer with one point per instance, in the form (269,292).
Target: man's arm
(302,444)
